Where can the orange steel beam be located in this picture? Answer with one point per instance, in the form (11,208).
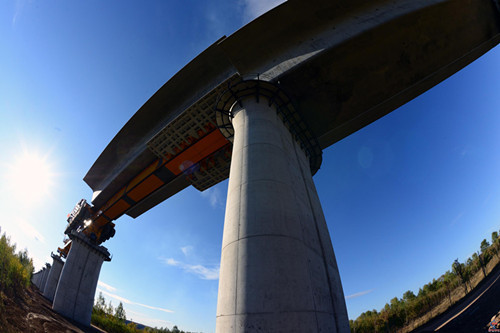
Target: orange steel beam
(149,179)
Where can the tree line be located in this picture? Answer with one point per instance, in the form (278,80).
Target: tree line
(399,312)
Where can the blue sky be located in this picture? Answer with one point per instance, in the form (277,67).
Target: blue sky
(403,197)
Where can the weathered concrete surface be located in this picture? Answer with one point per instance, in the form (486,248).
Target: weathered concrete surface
(345,64)
(278,270)
(75,291)
(53,277)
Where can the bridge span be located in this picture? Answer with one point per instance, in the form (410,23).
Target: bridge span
(258,107)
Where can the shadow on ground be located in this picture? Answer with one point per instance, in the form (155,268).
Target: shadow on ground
(31,312)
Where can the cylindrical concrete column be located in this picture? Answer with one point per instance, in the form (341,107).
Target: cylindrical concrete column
(75,291)
(53,277)
(278,269)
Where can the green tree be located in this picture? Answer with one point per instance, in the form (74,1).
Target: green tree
(109,309)
(484,246)
(26,261)
(120,312)
(495,243)
(409,296)
(100,304)
(397,313)
(15,269)
(459,269)
(448,278)
(482,263)
(486,251)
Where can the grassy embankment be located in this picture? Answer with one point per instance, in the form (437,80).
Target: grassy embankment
(16,270)
(411,311)
(456,295)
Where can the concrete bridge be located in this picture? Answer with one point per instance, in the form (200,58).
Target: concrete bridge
(258,107)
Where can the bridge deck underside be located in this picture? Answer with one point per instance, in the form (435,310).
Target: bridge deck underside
(345,65)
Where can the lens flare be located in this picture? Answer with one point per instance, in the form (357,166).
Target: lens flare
(29,177)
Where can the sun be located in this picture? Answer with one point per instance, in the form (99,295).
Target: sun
(30,177)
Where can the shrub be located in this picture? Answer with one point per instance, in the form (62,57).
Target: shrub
(15,269)
(15,274)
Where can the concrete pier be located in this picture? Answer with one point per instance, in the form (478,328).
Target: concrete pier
(53,277)
(278,269)
(39,278)
(43,280)
(36,279)
(74,296)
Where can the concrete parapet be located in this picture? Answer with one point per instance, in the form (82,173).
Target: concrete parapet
(53,277)
(74,296)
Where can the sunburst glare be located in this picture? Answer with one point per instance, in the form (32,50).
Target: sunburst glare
(30,177)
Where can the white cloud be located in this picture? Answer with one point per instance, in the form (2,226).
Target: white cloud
(214,196)
(362,293)
(145,320)
(201,271)
(106,286)
(204,272)
(127,301)
(254,8)
(172,262)
(187,250)
(154,308)
(39,262)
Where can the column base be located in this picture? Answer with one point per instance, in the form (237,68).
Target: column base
(74,296)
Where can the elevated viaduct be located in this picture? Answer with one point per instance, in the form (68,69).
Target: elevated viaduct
(258,107)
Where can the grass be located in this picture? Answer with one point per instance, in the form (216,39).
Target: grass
(456,295)
(16,270)
(111,324)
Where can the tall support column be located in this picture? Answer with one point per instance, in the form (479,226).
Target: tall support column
(278,269)
(46,271)
(75,291)
(53,277)
(40,278)
(36,279)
